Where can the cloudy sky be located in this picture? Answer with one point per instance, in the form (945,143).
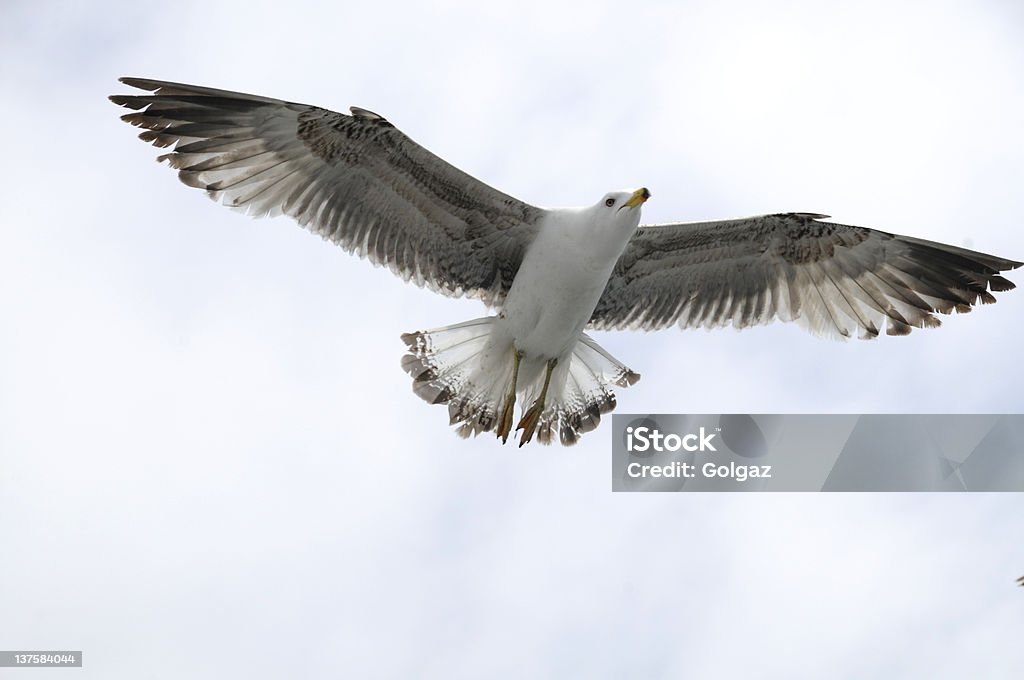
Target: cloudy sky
(211,464)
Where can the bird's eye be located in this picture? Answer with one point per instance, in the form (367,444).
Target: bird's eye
(609,202)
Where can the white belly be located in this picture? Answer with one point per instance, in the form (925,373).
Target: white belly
(555,292)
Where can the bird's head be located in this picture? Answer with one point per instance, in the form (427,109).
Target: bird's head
(612,221)
(621,209)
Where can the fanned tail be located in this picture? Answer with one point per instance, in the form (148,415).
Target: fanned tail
(468,366)
(586,395)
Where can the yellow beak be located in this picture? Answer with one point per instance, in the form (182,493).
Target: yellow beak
(638,197)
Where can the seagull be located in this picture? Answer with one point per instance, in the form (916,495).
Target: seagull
(548,274)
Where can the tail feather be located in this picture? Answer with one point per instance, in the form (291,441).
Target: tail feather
(441,361)
(468,366)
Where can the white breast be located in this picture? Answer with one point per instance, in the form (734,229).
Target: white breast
(559,282)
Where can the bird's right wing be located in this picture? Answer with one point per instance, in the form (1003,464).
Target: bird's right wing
(832,278)
(355,180)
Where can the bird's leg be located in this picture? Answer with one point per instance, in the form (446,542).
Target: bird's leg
(505,424)
(530,419)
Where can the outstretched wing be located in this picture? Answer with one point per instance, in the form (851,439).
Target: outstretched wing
(831,278)
(355,180)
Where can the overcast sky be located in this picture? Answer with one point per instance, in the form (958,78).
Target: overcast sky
(212,465)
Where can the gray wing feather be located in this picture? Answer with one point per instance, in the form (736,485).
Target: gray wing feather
(831,278)
(354,180)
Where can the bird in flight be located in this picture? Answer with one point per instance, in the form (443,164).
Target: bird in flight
(549,274)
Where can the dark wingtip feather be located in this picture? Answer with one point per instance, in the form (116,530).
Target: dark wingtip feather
(127,100)
(1000,284)
(192,179)
(141,83)
(895,327)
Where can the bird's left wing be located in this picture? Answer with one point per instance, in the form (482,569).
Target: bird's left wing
(355,180)
(833,279)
